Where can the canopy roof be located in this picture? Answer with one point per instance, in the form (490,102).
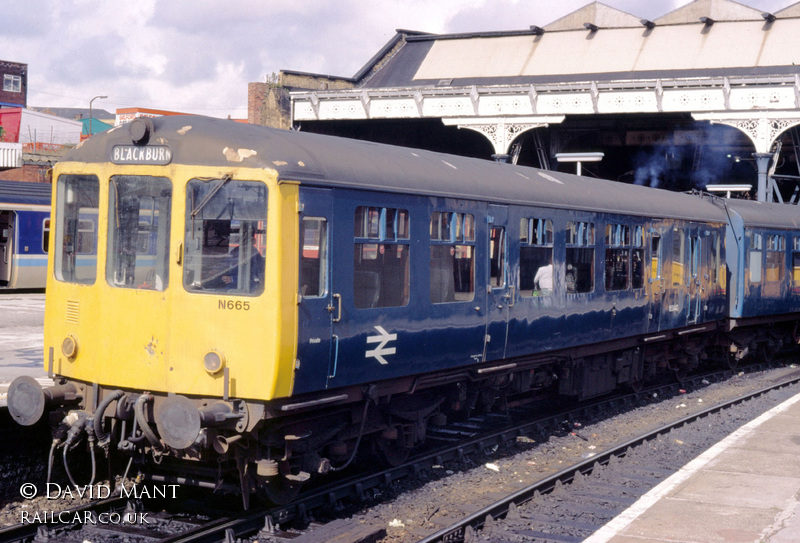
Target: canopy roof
(734,40)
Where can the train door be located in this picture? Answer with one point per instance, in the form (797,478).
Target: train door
(371,287)
(674,300)
(656,280)
(318,307)
(7,234)
(694,278)
(499,290)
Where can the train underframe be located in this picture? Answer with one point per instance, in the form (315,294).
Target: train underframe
(266,450)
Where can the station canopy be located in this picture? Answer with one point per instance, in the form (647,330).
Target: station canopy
(709,62)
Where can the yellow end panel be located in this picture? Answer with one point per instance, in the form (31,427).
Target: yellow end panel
(155,341)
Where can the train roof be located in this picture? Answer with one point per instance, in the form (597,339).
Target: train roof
(17,192)
(766,215)
(332,161)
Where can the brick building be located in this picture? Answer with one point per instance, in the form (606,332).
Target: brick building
(14,76)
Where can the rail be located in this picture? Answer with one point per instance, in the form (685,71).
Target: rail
(459,531)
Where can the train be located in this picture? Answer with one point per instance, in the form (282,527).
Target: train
(239,307)
(24,234)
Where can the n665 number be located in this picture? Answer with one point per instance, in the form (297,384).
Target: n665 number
(234,305)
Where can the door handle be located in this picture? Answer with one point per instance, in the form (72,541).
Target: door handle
(509,296)
(336,308)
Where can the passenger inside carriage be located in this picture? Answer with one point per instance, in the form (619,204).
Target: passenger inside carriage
(250,262)
(570,278)
(543,281)
(225,241)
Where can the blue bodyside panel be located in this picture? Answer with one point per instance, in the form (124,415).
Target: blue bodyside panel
(342,343)
(30,232)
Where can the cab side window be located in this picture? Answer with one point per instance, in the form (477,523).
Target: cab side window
(225,237)
(75,246)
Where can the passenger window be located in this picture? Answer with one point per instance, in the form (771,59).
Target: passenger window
(452,265)
(45,235)
(314,257)
(536,257)
(618,239)
(754,259)
(138,232)
(796,265)
(679,258)
(776,251)
(637,258)
(497,257)
(77,198)
(718,277)
(579,262)
(225,236)
(381,259)
(694,263)
(655,258)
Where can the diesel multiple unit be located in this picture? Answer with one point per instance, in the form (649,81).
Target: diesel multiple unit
(249,306)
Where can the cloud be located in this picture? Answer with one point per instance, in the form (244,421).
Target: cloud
(198,56)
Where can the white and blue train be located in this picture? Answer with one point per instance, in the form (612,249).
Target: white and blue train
(24,234)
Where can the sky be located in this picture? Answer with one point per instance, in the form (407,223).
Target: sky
(197,56)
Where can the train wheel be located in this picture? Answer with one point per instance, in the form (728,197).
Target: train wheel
(722,357)
(393,453)
(766,353)
(681,373)
(277,489)
(636,386)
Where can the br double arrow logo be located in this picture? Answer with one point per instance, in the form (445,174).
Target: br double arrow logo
(381,350)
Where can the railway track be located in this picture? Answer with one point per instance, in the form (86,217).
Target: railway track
(586,495)
(457,442)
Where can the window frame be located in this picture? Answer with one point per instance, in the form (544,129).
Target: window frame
(580,240)
(618,245)
(128,245)
(12,83)
(775,258)
(204,233)
(536,237)
(755,253)
(322,276)
(373,233)
(459,236)
(71,256)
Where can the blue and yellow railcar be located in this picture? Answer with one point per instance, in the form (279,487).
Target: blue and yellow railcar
(251,305)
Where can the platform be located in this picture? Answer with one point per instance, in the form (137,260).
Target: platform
(746,488)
